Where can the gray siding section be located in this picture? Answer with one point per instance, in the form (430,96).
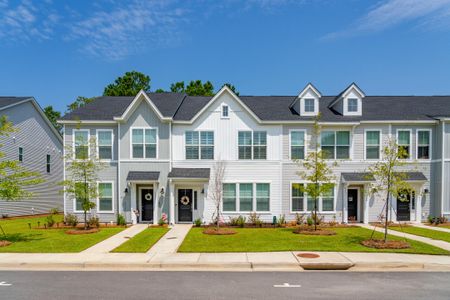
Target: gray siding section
(446,208)
(37,139)
(447,141)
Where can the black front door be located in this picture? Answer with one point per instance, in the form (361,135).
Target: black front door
(403,209)
(352,200)
(147,204)
(185,205)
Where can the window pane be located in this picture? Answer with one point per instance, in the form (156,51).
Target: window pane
(105,204)
(207,152)
(328,152)
(342,152)
(372,138)
(328,199)
(297,197)
(192,138)
(259,138)
(262,196)
(372,152)
(105,190)
(352,105)
(191,152)
(297,138)
(327,138)
(207,138)
(245,138)
(81,138)
(137,136)
(309,105)
(311,204)
(297,152)
(138,151)
(403,138)
(104,138)
(224,111)
(246,196)
(150,136)
(80,192)
(405,153)
(424,137)
(229,197)
(423,152)
(245,152)
(343,138)
(81,152)
(259,152)
(105,152)
(150,151)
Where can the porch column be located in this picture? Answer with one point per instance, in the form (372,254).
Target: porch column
(155,203)
(133,204)
(205,197)
(345,203)
(366,204)
(172,203)
(419,195)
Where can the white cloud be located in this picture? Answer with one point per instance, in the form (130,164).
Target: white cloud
(389,13)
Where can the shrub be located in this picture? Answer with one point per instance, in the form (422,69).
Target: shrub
(233,221)
(54,211)
(161,222)
(300,219)
(254,219)
(333,222)
(94,221)
(121,220)
(50,221)
(437,220)
(309,221)
(198,222)
(241,221)
(71,220)
(316,218)
(430,219)
(281,221)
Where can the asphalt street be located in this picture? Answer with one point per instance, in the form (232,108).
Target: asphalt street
(223,285)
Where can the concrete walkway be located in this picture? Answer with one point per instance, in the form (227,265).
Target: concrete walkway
(171,241)
(436,243)
(116,240)
(263,261)
(437,228)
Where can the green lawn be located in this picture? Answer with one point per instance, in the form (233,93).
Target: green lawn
(282,239)
(143,241)
(429,233)
(25,240)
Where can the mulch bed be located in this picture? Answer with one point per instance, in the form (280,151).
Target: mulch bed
(221,231)
(4,243)
(319,231)
(380,244)
(82,231)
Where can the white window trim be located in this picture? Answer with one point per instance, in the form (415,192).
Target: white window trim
(352,113)
(302,107)
(305,200)
(222,110)
(112,143)
(410,158)
(290,141)
(365,144)
(98,198)
(430,143)
(200,145)
(253,145)
(238,205)
(131,144)
(74,131)
(350,145)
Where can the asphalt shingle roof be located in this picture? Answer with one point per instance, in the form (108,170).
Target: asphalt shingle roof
(142,176)
(357,177)
(189,173)
(5,101)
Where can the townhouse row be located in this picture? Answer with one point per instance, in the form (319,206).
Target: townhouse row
(161,151)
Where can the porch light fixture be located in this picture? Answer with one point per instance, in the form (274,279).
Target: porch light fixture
(161,192)
(126,190)
(426,191)
(203,191)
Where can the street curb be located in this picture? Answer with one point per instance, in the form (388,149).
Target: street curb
(327,266)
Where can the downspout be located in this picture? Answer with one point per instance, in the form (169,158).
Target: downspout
(64,167)
(118,169)
(442,168)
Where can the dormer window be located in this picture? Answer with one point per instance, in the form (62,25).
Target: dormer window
(309,105)
(225,112)
(352,105)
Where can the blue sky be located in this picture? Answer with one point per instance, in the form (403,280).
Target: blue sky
(58,50)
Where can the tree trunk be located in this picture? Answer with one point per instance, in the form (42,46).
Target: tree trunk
(386,221)
(218,216)
(85,220)
(315,213)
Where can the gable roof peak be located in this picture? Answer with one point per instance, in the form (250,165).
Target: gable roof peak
(308,86)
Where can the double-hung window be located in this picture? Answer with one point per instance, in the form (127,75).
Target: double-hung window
(404,143)
(423,144)
(144,142)
(252,145)
(297,197)
(352,105)
(297,145)
(48,163)
(309,105)
(105,144)
(335,144)
(199,144)
(246,197)
(81,192)
(81,144)
(373,144)
(105,197)
(20,154)
(328,198)
(225,111)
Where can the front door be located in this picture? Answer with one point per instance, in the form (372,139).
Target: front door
(352,206)
(185,205)
(147,204)
(403,206)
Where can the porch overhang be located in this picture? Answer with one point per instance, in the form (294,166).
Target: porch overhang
(418,177)
(189,174)
(357,177)
(142,176)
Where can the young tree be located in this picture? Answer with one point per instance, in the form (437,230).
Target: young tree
(128,85)
(14,178)
(82,166)
(318,172)
(217,190)
(389,179)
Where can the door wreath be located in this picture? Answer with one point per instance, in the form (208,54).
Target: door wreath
(185,200)
(148,196)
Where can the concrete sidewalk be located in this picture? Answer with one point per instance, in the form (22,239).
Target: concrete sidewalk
(171,241)
(263,261)
(437,228)
(116,240)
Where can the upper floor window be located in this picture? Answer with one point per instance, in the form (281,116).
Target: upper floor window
(81,144)
(20,154)
(297,144)
(105,197)
(48,163)
(335,144)
(309,105)
(199,144)
(225,112)
(404,142)
(373,144)
(423,144)
(105,144)
(352,105)
(144,142)
(252,145)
